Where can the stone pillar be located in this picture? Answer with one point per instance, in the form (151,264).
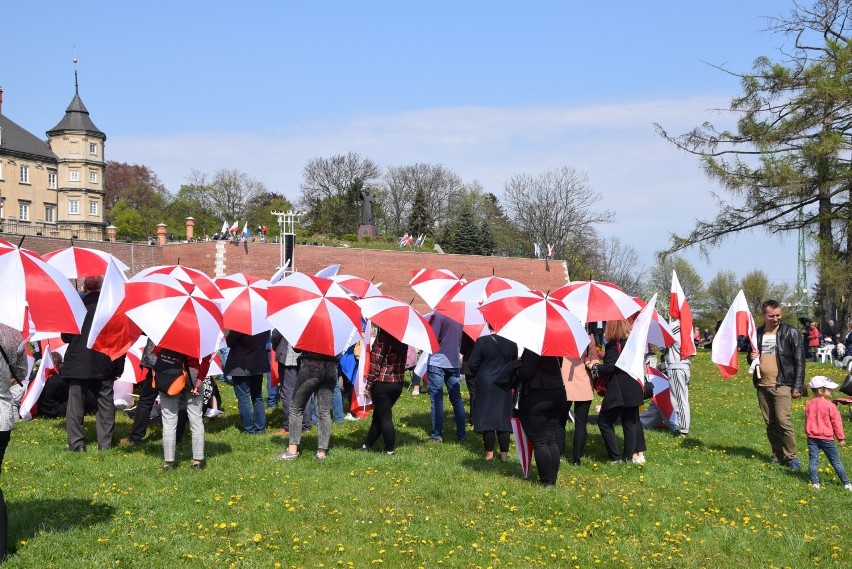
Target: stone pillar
(190,228)
(111,233)
(161,234)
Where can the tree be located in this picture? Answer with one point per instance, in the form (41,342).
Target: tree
(259,209)
(556,207)
(226,195)
(331,191)
(464,235)
(619,264)
(721,291)
(441,188)
(757,288)
(787,165)
(137,185)
(420,218)
(660,282)
(128,222)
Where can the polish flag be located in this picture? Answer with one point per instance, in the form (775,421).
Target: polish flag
(234,228)
(632,356)
(738,322)
(36,386)
(112,332)
(523,445)
(679,310)
(362,404)
(662,393)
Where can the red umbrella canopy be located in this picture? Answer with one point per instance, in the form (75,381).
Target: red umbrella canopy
(400,320)
(36,295)
(188,275)
(433,284)
(591,301)
(362,288)
(244,304)
(535,321)
(171,315)
(659,332)
(79,262)
(313,313)
(480,289)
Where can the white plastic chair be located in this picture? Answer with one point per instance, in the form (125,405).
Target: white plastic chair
(823,354)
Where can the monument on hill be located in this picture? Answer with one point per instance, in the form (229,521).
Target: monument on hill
(367,227)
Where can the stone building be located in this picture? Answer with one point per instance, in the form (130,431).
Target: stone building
(53,187)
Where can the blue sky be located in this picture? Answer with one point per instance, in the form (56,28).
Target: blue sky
(489,89)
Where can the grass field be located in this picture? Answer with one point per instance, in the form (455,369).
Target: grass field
(708,500)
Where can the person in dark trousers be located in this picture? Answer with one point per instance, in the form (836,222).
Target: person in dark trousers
(147,397)
(623,395)
(13,369)
(384,383)
(248,360)
(542,409)
(493,409)
(84,368)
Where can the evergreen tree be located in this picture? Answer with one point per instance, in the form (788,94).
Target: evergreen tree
(420,220)
(465,237)
(487,242)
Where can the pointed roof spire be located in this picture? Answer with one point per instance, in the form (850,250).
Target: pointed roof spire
(76,115)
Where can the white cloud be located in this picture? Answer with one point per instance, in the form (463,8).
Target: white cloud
(653,188)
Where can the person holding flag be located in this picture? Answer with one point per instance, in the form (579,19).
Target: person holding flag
(779,377)
(676,358)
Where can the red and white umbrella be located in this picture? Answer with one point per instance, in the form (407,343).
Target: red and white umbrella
(36,297)
(662,393)
(537,322)
(79,262)
(433,284)
(467,314)
(362,288)
(480,289)
(313,313)
(523,445)
(132,373)
(244,303)
(172,317)
(591,301)
(400,320)
(188,275)
(659,332)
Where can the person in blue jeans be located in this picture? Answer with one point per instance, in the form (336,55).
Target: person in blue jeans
(248,360)
(444,369)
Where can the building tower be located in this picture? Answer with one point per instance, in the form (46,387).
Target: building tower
(79,147)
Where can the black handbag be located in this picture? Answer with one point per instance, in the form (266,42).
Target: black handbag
(846,386)
(648,390)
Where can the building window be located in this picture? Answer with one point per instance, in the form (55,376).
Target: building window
(74,175)
(51,180)
(1,169)
(50,213)
(2,208)
(24,211)
(25,174)
(93,208)
(93,177)
(93,149)
(74,207)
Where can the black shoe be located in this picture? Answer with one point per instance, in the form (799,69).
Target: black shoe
(169,466)
(364,448)
(78,449)
(198,465)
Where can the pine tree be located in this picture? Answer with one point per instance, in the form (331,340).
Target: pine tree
(420,220)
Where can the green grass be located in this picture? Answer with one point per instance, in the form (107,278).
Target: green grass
(703,501)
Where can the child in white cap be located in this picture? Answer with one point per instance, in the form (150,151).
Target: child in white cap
(822,425)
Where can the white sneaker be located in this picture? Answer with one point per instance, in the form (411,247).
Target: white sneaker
(848,487)
(817,486)
(350,417)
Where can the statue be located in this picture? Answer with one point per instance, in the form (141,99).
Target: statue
(367,206)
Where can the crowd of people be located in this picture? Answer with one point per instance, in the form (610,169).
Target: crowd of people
(544,393)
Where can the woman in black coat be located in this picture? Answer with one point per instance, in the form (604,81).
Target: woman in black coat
(543,410)
(493,404)
(623,395)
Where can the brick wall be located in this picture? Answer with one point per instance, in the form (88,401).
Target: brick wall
(391,268)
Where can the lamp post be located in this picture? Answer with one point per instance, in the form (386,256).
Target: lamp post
(287,239)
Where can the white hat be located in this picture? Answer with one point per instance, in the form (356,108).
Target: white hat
(821,381)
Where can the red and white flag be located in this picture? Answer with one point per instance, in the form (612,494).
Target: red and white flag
(36,386)
(738,322)
(523,445)
(662,393)
(632,356)
(112,333)
(234,228)
(361,403)
(679,310)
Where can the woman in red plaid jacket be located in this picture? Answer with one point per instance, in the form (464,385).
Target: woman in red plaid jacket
(384,384)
